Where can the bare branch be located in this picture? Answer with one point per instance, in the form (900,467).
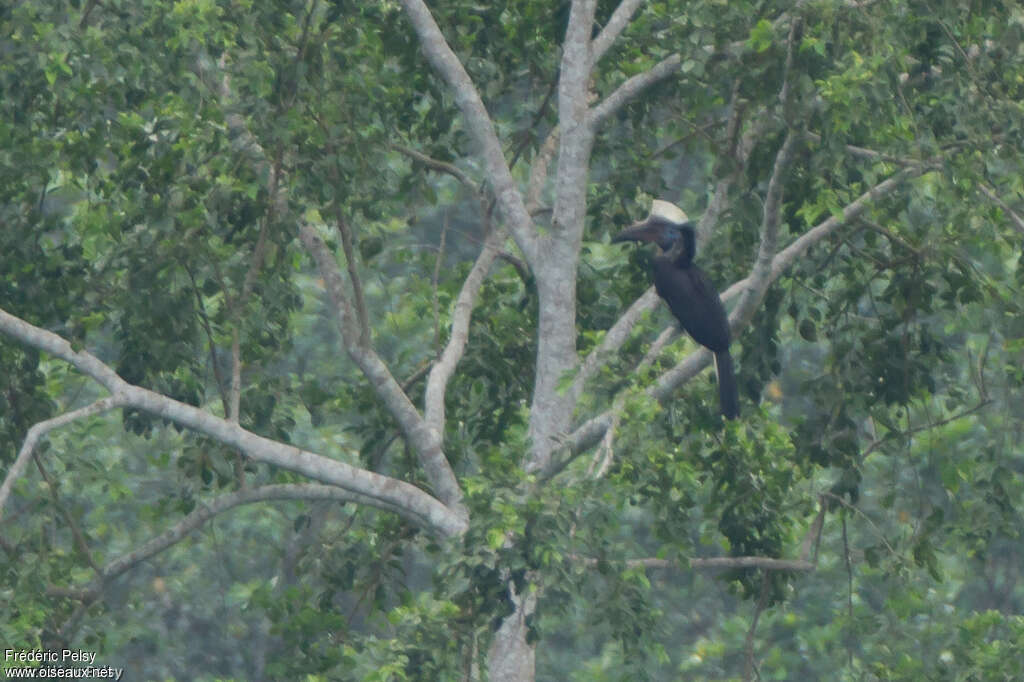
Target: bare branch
(760,275)
(353,275)
(478,122)
(424,440)
(618,21)
(435,278)
(539,171)
(259,252)
(857,510)
(612,341)
(384,491)
(891,236)
(813,536)
(751,666)
(629,90)
(40,429)
(982,403)
(765,563)
(442,371)
(868,154)
(206,511)
(234,406)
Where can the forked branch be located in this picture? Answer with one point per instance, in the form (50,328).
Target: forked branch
(381,491)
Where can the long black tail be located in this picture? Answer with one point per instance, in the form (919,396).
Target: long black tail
(728,394)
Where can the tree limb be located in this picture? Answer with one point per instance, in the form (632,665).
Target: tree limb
(539,171)
(424,440)
(381,491)
(207,510)
(612,341)
(710,563)
(478,122)
(750,666)
(444,368)
(204,512)
(40,429)
(353,276)
(632,87)
(77,535)
(435,164)
(760,274)
(617,22)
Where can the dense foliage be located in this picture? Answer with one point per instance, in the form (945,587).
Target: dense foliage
(157,160)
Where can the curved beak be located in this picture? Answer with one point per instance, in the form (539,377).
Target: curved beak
(638,232)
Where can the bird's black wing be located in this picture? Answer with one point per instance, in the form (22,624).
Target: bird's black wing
(694,301)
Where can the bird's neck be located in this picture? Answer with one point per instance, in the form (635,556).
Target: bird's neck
(679,255)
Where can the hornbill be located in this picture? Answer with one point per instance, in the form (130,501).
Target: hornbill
(687,290)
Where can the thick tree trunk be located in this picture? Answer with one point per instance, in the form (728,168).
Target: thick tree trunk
(551,413)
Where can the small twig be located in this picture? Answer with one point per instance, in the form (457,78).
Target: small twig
(750,668)
(76,531)
(434,280)
(435,164)
(814,534)
(867,518)
(925,427)
(888,234)
(710,563)
(849,587)
(204,319)
(353,274)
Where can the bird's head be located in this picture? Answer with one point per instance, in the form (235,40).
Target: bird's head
(665,226)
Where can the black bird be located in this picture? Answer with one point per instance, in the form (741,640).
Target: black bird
(688,292)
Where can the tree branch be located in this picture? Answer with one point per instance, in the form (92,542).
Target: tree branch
(353,276)
(612,341)
(40,429)
(712,563)
(868,154)
(760,274)
(444,368)
(435,164)
(632,88)
(617,22)
(750,666)
(204,512)
(424,440)
(539,171)
(381,491)
(478,122)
